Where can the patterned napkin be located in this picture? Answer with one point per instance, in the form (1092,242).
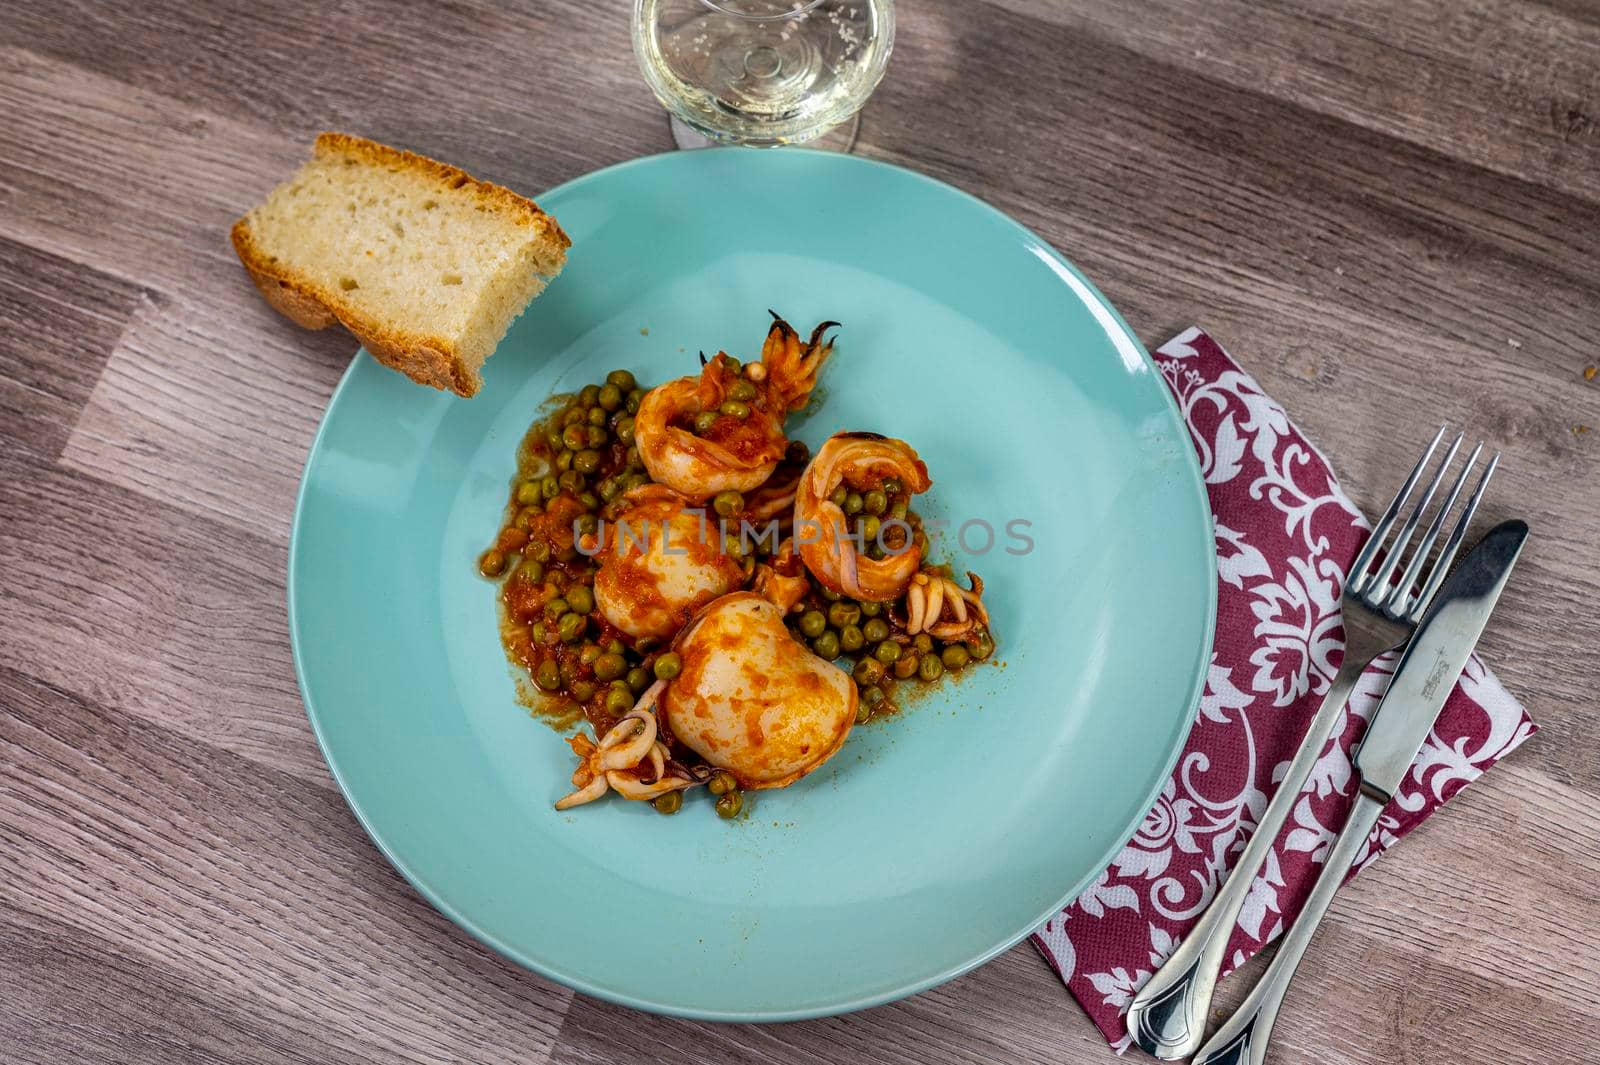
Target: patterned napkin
(1285,533)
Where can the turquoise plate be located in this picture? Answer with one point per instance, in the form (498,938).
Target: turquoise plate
(935,839)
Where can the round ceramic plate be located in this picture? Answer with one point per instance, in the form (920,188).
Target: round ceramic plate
(935,838)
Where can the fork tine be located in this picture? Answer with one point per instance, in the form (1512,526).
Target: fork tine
(1360,569)
(1441,568)
(1403,597)
(1379,591)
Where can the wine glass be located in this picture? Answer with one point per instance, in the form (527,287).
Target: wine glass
(762,72)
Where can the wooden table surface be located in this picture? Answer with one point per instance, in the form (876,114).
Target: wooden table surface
(1389,212)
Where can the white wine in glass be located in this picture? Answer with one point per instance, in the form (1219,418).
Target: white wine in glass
(763,72)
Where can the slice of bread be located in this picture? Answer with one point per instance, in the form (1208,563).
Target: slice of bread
(425,264)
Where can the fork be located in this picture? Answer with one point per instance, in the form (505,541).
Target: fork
(1379,612)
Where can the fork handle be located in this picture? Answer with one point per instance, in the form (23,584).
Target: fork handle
(1167,1017)
(1243,1039)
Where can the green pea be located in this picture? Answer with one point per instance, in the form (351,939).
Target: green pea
(610,666)
(588,395)
(622,379)
(722,782)
(852,503)
(589,653)
(580,598)
(892,486)
(829,594)
(731,364)
(616,647)
(492,562)
(906,665)
(550,486)
(743,391)
(875,502)
(541,632)
(553,439)
(870,525)
(598,417)
(669,803)
(872,696)
(528,493)
(531,570)
(868,672)
(590,501)
(887,651)
(610,488)
(572,416)
(871,609)
(554,608)
(638,680)
(537,550)
(570,627)
(843,613)
(864,710)
(598,436)
(582,690)
(705,421)
(875,630)
(839,495)
(634,459)
(734,408)
(812,622)
(668,666)
(955,656)
(930,668)
(729,805)
(586,461)
(923,643)
(850,638)
(728,503)
(564,461)
(574,437)
(572,481)
(635,398)
(610,397)
(983,648)
(827,645)
(525,516)
(548,675)
(625,431)
(618,701)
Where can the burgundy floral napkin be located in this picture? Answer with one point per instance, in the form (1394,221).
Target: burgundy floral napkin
(1285,533)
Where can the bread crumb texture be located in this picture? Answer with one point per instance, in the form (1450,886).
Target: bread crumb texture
(425,264)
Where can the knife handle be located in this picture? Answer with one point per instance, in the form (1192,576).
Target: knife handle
(1242,1040)
(1168,1015)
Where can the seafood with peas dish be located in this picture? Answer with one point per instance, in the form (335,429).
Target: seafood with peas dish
(717,603)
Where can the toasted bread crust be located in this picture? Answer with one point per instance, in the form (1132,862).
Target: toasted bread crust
(427,360)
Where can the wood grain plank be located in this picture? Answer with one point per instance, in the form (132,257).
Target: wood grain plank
(257,886)
(58,324)
(72,997)
(139,605)
(498,89)
(1511,87)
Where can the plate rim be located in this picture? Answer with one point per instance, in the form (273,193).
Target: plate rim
(1195,483)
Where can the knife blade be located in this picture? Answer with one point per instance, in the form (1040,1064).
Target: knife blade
(1434,658)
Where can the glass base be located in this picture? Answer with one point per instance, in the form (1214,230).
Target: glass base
(841,138)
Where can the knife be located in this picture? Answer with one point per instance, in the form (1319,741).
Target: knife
(1422,682)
